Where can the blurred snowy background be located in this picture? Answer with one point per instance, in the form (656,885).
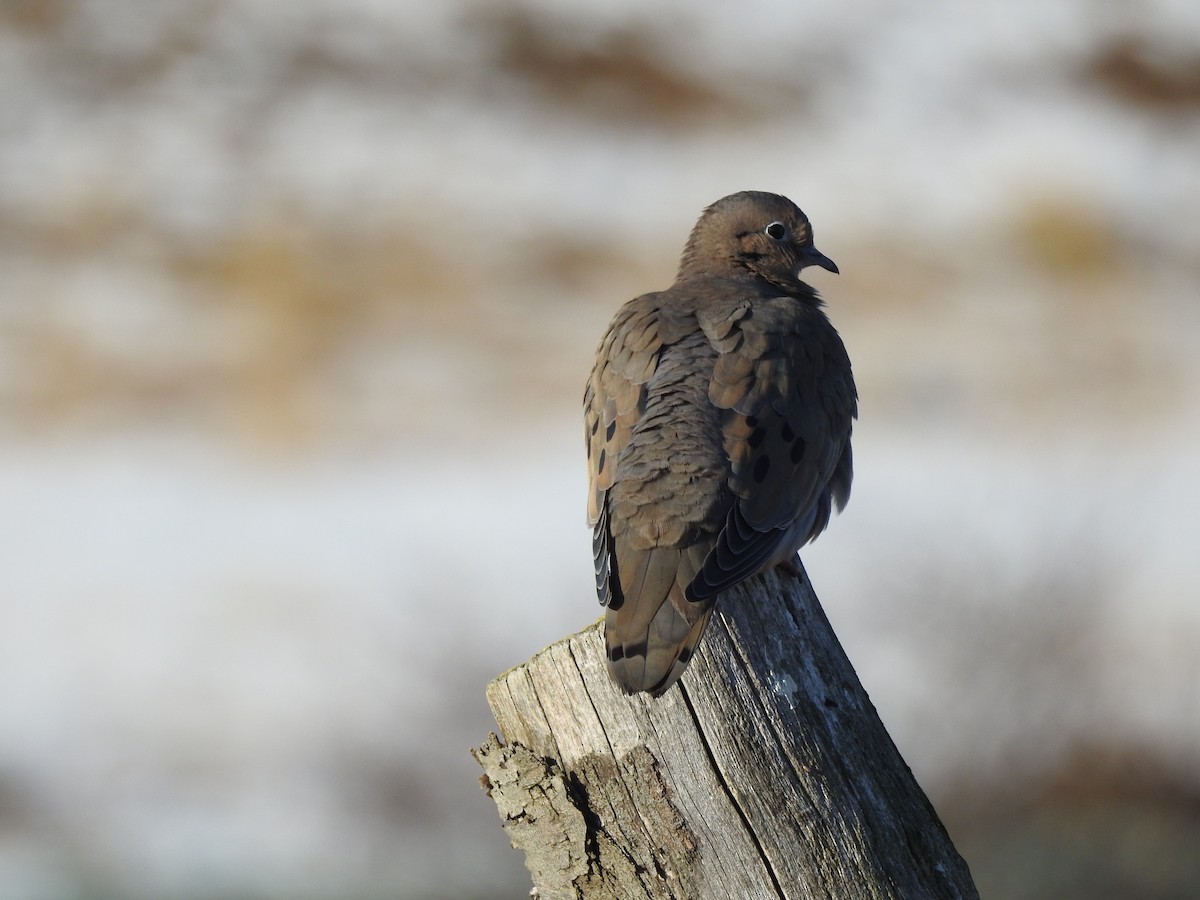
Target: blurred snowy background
(297,300)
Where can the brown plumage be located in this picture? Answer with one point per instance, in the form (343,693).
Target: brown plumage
(718,420)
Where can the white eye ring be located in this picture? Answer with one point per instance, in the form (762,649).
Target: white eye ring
(776,230)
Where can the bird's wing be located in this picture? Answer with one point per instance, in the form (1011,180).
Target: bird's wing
(655,470)
(615,393)
(613,402)
(784,386)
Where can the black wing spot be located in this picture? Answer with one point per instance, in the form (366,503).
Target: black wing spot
(786,432)
(799,446)
(757,436)
(610,430)
(603,459)
(761,466)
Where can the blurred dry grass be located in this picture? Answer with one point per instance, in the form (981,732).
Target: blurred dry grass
(36,16)
(1108,823)
(624,76)
(281,311)
(291,332)
(1145,74)
(289,310)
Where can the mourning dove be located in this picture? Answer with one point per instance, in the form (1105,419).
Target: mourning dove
(718,418)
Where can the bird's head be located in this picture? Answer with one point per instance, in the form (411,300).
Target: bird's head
(753,233)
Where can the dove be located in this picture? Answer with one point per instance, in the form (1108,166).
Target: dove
(718,417)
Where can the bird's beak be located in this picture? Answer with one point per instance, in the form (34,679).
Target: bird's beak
(811,256)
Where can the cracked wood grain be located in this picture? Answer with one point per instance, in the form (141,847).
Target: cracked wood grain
(765,773)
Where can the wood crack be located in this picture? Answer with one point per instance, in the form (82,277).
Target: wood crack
(732,795)
(740,782)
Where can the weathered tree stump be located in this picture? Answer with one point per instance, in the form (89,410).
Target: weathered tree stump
(765,773)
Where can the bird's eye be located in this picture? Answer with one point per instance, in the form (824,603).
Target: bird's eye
(776,230)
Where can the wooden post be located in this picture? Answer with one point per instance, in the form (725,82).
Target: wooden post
(765,773)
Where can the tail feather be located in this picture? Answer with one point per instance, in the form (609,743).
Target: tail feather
(652,636)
